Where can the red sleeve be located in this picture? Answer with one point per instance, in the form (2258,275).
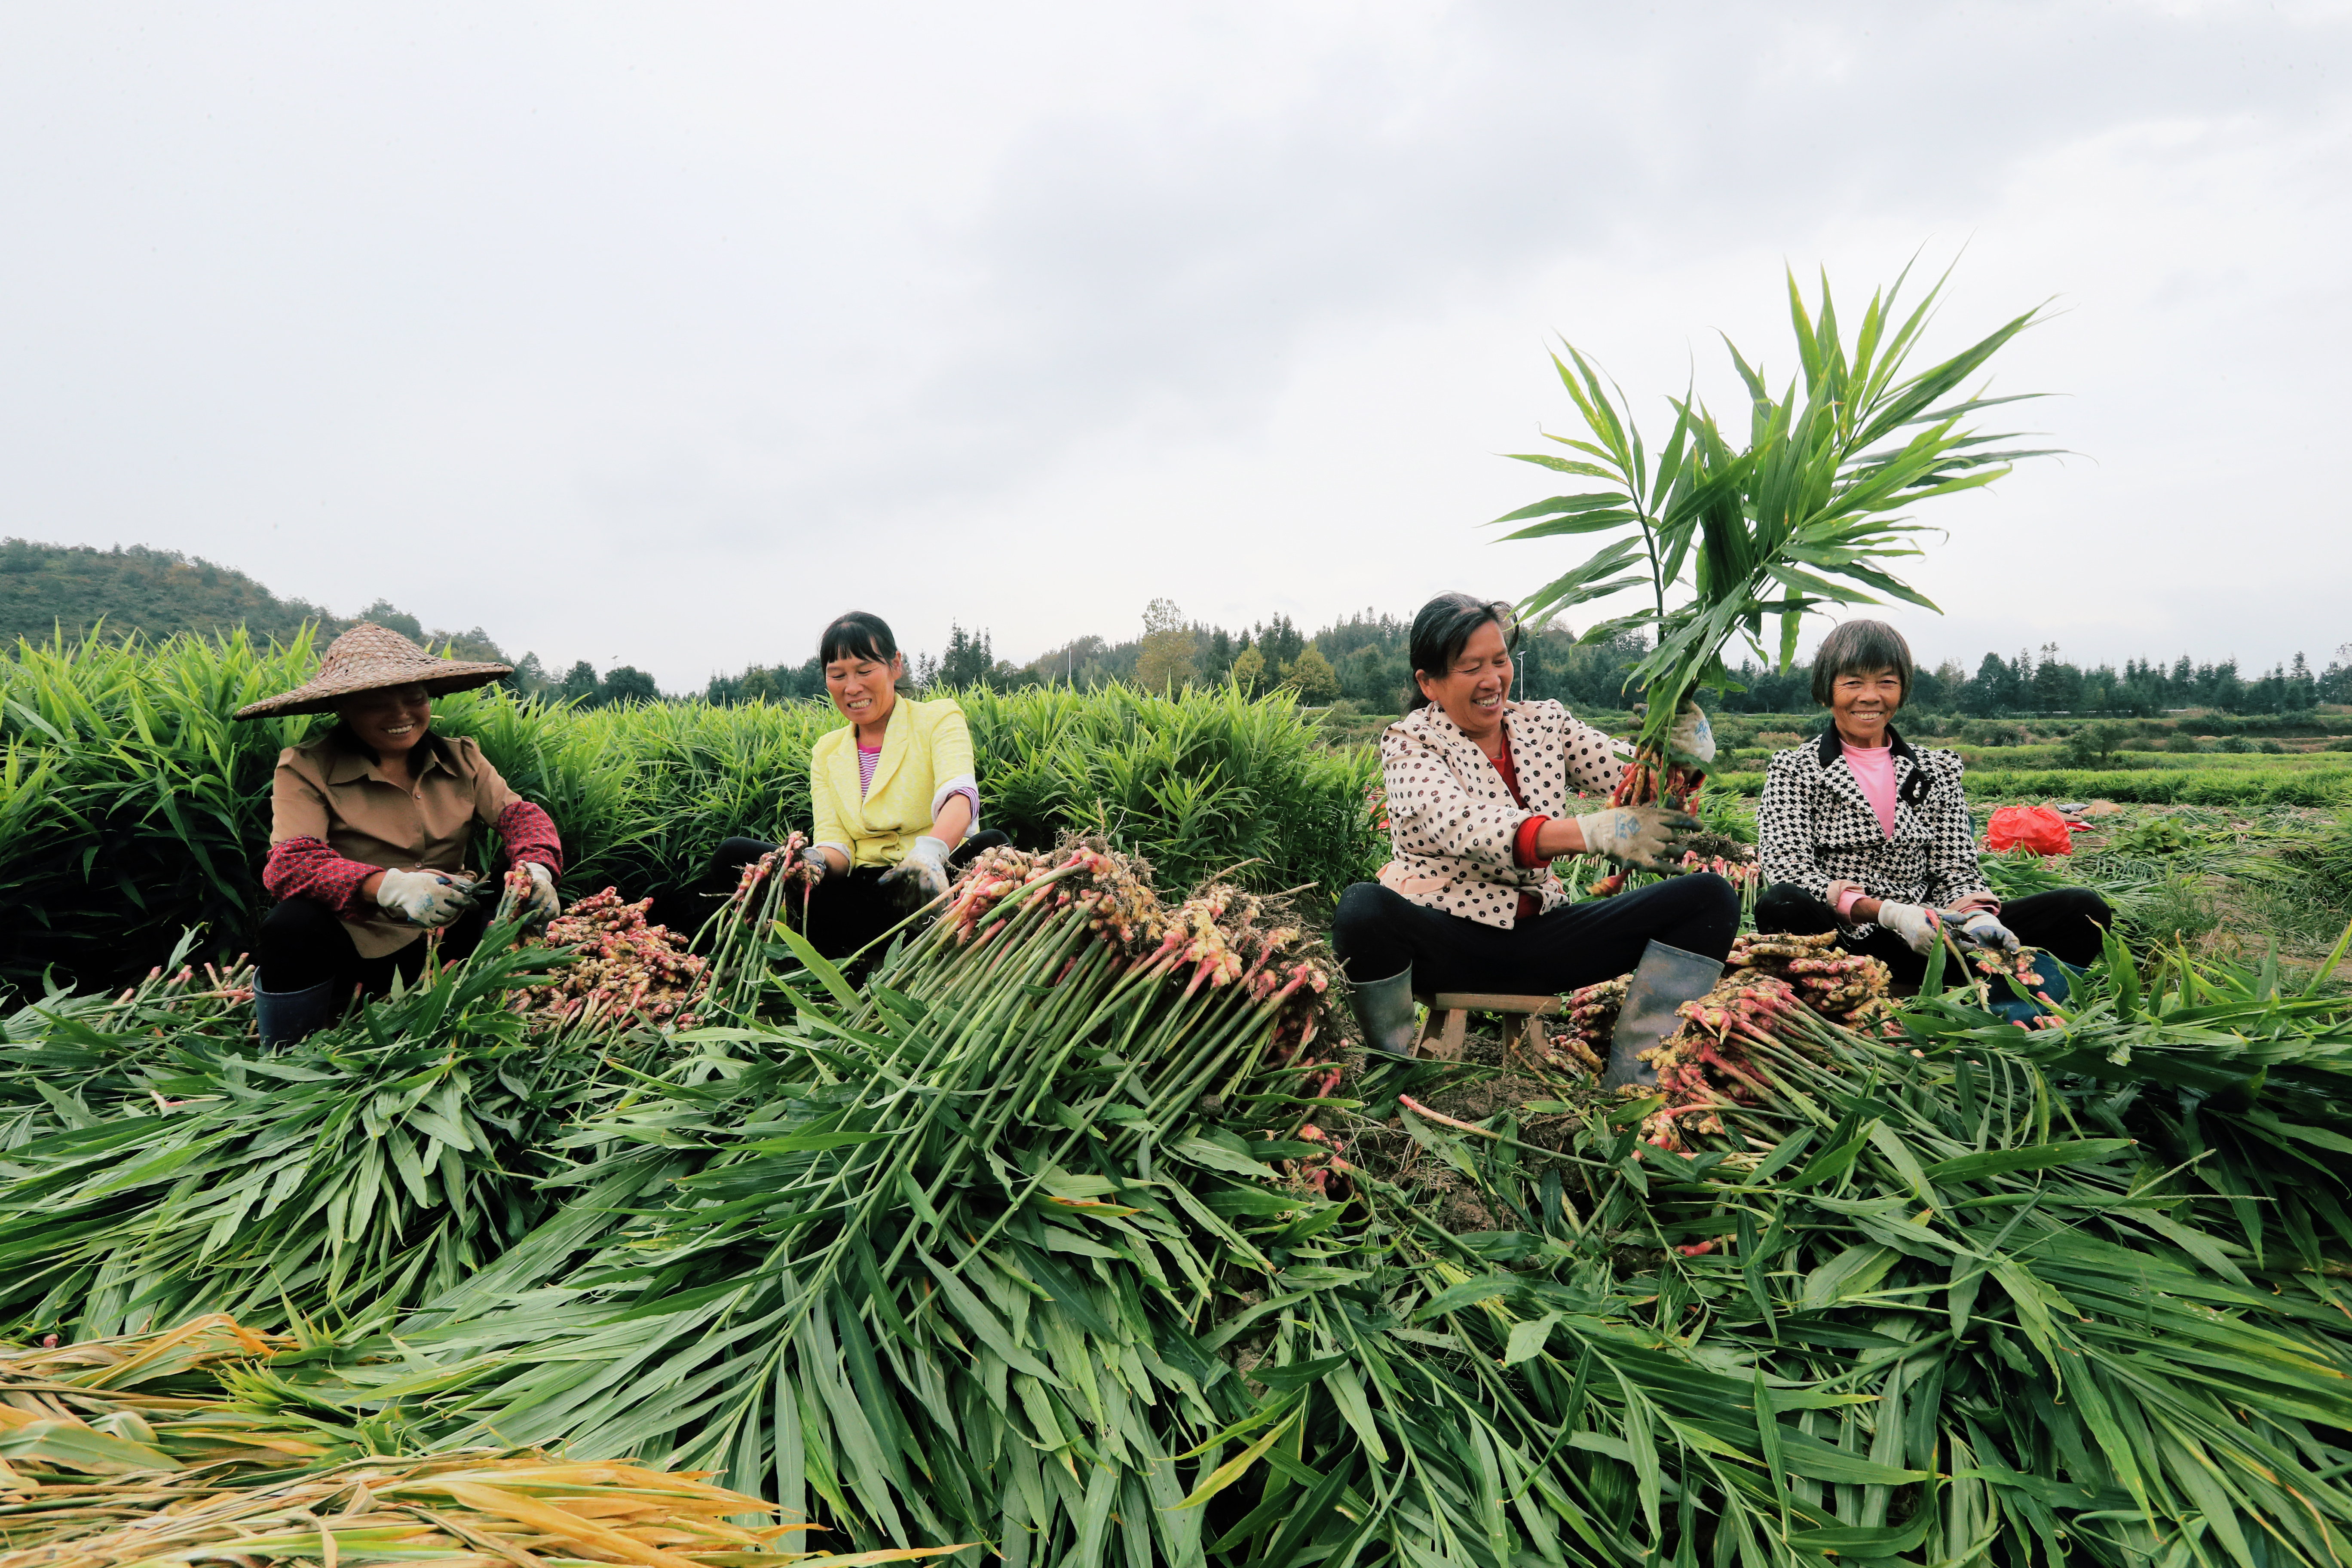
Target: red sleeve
(309,868)
(530,835)
(1523,845)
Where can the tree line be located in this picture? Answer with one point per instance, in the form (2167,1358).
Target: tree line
(1363,660)
(2026,684)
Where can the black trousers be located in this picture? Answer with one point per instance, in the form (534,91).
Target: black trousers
(302,942)
(842,913)
(1377,932)
(2068,923)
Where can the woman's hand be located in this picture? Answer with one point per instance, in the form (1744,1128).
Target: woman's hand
(1917,926)
(542,904)
(428,898)
(1692,740)
(923,874)
(1642,836)
(1982,929)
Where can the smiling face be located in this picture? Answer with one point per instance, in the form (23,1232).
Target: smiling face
(391,722)
(1473,687)
(1862,700)
(863,688)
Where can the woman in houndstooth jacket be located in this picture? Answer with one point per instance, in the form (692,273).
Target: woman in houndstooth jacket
(1862,835)
(1479,800)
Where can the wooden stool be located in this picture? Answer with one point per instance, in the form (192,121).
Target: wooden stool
(1449,1019)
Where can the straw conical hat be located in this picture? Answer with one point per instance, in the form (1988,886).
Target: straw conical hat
(369,657)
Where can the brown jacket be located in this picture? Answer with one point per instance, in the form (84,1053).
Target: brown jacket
(1452,823)
(325,790)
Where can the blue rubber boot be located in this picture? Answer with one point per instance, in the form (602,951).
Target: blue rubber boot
(287,1017)
(2052,976)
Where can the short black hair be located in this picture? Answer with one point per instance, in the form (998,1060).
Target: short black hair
(1443,628)
(1855,648)
(858,634)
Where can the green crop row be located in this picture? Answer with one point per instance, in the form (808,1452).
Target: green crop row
(2167,786)
(133,805)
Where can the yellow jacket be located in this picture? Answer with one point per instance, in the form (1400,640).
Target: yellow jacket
(926,757)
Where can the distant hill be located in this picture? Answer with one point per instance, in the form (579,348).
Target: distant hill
(46,587)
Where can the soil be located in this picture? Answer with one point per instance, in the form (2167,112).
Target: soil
(1485,1081)
(1719,847)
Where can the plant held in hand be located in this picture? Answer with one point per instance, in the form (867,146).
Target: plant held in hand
(1805,515)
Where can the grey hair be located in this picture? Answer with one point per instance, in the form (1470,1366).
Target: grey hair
(1854,648)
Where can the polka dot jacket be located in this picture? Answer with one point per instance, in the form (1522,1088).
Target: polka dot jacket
(1452,822)
(1814,827)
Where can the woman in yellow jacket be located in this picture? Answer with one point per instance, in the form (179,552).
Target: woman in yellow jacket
(895,798)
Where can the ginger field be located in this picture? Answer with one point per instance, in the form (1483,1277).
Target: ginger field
(1079,1231)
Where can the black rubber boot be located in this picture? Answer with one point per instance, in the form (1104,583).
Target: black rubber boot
(1665,979)
(1384,1011)
(287,1017)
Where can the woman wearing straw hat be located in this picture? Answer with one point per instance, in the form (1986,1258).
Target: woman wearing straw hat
(369,824)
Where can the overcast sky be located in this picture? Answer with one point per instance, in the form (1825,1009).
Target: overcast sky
(661,333)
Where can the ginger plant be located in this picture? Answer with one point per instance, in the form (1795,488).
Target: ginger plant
(1807,514)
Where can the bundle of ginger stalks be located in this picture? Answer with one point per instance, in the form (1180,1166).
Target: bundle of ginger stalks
(68,1056)
(1043,1237)
(988,1162)
(184,1446)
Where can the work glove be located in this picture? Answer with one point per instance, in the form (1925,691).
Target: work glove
(1641,837)
(1982,929)
(923,875)
(520,896)
(1915,926)
(428,898)
(810,870)
(1692,740)
(539,903)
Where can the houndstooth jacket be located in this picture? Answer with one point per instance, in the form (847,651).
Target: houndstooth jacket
(1452,822)
(1814,827)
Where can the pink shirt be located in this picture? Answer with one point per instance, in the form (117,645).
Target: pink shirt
(1874,769)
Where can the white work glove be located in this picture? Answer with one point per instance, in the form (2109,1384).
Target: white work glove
(1692,740)
(1983,928)
(428,898)
(923,874)
(1642,836)
(542,904)
(1914,925)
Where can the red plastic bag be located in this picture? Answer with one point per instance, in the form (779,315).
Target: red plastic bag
(2035,827)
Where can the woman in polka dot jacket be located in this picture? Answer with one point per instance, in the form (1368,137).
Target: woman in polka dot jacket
(1861,834)
(1478,802)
